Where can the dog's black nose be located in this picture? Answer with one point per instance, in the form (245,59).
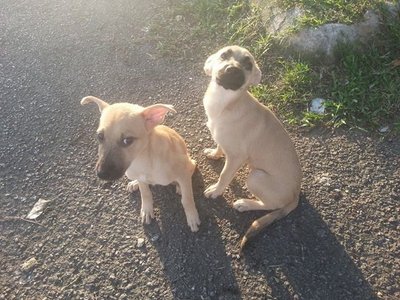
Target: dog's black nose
(102,174)
(109,172)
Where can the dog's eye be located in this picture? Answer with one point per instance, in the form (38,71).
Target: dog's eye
(100,137)
(226,55)
(127,141)
(246,63)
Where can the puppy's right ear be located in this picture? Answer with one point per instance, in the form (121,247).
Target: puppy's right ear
(155,114)
(208,64)
(100,103)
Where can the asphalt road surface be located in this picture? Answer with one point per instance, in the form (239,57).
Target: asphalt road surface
(342,242)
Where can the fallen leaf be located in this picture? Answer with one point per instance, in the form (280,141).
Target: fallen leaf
(38,209)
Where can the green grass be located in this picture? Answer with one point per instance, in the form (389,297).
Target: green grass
(186,28)
(361,89)
(365,89)
(318,12)
(287,93)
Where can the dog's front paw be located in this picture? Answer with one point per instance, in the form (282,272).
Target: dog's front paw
(132,186)
(147,213)
(213,191)
(213,153)
(193,221)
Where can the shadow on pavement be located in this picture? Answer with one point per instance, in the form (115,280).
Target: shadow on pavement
(300,256)
(195,264)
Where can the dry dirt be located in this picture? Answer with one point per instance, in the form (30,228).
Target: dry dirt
(342,242)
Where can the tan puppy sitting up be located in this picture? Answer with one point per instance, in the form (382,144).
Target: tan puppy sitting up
(248,132)
(132,142)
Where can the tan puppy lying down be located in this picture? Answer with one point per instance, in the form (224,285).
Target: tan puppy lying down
(248,132)
(132,142)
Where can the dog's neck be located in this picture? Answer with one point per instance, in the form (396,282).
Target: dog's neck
(217,98)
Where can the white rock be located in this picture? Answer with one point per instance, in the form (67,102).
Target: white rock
(384,129)
(317,106)
(319,43)
(140,242)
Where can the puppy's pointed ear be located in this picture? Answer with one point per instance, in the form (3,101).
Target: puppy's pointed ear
(255,77)
(208,65)
(100,103)
(155,114)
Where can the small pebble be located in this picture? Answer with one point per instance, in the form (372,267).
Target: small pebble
(29,264)
(140,242)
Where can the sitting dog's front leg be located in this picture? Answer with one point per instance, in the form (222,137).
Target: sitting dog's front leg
(216,153)
(232,164)
(132,186)
(146,211)
(189,206)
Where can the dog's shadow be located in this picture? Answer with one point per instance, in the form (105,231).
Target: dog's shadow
(195,264)
(299,255)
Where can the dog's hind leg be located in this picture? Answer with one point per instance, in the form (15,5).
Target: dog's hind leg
(271,195)
(215,153)
(269,192)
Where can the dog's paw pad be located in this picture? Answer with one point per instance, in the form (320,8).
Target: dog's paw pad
(147,215)
(212,191)
(132,186)
(212,153)
(241,205)
(194,222)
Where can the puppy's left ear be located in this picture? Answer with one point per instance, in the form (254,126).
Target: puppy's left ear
(208,65)
(155,114)
(100,103)
(255,77)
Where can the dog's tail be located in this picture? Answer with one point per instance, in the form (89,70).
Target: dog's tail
(265,221)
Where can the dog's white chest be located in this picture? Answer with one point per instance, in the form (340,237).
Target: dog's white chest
(215,102)
(140,170)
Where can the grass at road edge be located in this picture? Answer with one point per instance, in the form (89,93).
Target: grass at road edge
(361,89)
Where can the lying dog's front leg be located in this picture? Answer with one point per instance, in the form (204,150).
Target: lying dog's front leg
(189,206)
(146,211)
(216,153)
(232,164)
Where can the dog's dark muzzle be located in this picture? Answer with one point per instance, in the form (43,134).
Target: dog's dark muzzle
(231,78)
(107,170)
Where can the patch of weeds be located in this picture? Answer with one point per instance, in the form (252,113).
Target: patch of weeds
(186,28)
(361,90)
(319,12)
(209,24)
(247,29)
(288,92)
(365,89)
